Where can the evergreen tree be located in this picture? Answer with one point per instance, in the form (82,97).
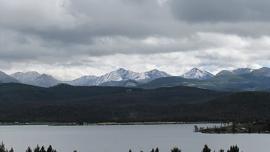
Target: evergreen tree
(2,147)
(130,150)
(37,149)
(50,149)
(42,149)
(28,149)
(157,150)
(153,150)
(206,149)
(11,150)
(233,149)
(175,149)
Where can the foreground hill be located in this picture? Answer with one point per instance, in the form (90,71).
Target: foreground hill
(65,103)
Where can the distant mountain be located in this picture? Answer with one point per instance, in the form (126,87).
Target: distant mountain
(45,80)
(119,77)
(26,77)
(4,78)
(196,73)
(85,81)
(242,79)
(35,79)
(155,74)
(262,72)
(239,80)
(225,73)
(242,71)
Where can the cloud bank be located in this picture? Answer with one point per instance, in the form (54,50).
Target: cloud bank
(69,38)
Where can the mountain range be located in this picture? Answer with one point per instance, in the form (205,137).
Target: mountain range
(242,79)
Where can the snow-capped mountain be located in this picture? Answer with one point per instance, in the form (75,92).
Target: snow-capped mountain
(196,73)
(4,78)
(26,77)
(120,75)
(117,76)
(241,71)
(155,74)
(85,81)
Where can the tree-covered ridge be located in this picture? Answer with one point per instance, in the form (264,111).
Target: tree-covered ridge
(64,103)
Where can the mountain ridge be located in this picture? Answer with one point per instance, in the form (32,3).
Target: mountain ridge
(238,79)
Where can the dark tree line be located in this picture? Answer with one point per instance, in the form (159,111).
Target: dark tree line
(41,149)
(205,149)
(29,149)
(51,149)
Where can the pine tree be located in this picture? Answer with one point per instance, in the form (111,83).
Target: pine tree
(2,147)
(157,150)
(50,149)
(42,149)
(233,149)
(37,149)
(175,149)
(28,149)
(206,149)
(11,150)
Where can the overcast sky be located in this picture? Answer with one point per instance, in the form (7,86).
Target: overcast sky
(70,38)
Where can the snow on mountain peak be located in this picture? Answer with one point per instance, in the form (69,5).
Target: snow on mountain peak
(119,75)
(196,73)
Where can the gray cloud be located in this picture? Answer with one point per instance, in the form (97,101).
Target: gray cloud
(221,11)
(69,38)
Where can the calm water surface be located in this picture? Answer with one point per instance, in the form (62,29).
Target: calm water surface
(121,138)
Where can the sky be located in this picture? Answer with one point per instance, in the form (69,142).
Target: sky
(71,38)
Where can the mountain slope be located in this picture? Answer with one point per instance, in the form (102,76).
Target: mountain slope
(4,78)
(85,81)
(242,71)
(27,77)
(265,72)
(120,75)
(155,74)
(45,80)
(35,79)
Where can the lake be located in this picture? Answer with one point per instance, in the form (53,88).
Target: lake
(121,138)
